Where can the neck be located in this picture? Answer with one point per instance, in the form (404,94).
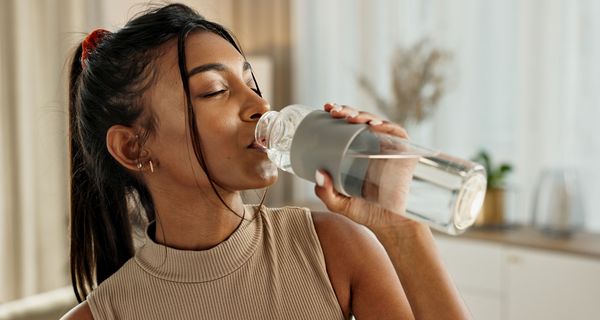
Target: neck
(196,219)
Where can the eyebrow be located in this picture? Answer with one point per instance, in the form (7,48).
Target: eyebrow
(215,67)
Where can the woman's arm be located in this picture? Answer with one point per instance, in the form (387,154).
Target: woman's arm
(364,279)
(409,245)
(411,248)
(427,284)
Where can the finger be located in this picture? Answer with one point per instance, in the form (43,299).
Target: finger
(343,111)
(328,106)
(333,200)
(350,113)
(354,116)
(363,117)
(389,128)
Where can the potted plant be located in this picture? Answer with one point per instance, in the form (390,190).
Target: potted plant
(493,210)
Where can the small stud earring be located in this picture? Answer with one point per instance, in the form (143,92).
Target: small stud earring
(139,165)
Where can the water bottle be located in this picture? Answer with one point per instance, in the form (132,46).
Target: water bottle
(443,191)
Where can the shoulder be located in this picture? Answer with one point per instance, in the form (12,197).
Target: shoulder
(345,242)
(80,312)
(365,272)
(342,241)
(353,256)
(125,281)
(289,221)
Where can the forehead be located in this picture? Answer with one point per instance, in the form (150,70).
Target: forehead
(206,47)
(201,47)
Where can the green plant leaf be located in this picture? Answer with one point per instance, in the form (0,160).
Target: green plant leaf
(484,159)
(496,176)
(505,168)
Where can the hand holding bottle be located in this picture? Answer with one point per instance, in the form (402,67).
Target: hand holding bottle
(372,160)
(381,180)
(364,212)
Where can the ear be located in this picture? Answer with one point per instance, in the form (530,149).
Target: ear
(123,144)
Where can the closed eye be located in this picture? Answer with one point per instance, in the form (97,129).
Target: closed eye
(215,93)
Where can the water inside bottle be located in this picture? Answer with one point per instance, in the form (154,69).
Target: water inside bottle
(422,184)
(441,191)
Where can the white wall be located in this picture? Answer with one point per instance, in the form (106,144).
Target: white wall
(524,84)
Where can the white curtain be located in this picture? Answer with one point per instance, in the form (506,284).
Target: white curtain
(36,36)
(525,78)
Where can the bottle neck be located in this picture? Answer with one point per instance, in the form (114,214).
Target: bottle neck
(278,122)
(264,127)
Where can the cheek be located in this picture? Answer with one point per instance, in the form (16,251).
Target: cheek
(220,146)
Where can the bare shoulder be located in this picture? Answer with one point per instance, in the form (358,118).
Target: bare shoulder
(345,244)
(360,270)
(339,234)
(80,312)
(341,241)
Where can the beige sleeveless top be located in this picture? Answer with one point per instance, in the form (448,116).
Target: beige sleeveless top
(272,267)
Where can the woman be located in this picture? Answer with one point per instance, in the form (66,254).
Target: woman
(162,115)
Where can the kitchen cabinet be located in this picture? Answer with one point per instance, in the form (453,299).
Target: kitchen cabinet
(546,285)
(508,281)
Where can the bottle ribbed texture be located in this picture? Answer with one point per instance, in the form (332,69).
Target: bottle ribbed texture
(272,267)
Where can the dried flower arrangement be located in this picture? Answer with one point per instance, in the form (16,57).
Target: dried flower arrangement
(418,83)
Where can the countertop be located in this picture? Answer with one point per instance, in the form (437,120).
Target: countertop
(580,243)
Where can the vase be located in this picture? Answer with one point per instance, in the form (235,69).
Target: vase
(493,211)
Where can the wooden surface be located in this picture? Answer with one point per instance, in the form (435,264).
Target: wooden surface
(580,243)
(584,244)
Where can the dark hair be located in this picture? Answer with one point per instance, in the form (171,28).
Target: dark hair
(107,91)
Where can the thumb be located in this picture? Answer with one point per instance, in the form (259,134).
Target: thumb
(333,200)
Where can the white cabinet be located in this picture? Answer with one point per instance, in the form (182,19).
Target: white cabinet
(477,270)
(507,282)
(546,285)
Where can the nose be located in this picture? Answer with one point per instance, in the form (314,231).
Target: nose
(256,106)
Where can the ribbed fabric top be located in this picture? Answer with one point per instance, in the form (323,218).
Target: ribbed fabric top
(272,267)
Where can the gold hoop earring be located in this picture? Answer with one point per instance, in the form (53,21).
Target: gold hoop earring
(151,166)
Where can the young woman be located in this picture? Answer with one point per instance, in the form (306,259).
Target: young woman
(162,115)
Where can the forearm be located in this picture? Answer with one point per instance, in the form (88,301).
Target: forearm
(428,286)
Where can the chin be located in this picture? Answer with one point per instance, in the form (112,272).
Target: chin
(268,180)
(267,172)
(258,183)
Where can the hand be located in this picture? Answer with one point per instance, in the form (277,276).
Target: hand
(373,213)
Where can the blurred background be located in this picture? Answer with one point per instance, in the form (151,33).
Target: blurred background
(513,84)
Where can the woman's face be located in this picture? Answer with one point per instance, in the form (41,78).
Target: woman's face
(226,108)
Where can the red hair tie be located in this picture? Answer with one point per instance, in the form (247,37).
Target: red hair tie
(90,43)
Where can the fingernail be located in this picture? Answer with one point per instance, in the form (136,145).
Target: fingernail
(352,114)
(337,107)
(375,122)
(319,178)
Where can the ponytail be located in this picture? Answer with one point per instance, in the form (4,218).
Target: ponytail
(81,266)
(100,232)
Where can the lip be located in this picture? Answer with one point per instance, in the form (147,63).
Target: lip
(255,145)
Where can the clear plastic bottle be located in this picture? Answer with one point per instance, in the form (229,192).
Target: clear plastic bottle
(443,191)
